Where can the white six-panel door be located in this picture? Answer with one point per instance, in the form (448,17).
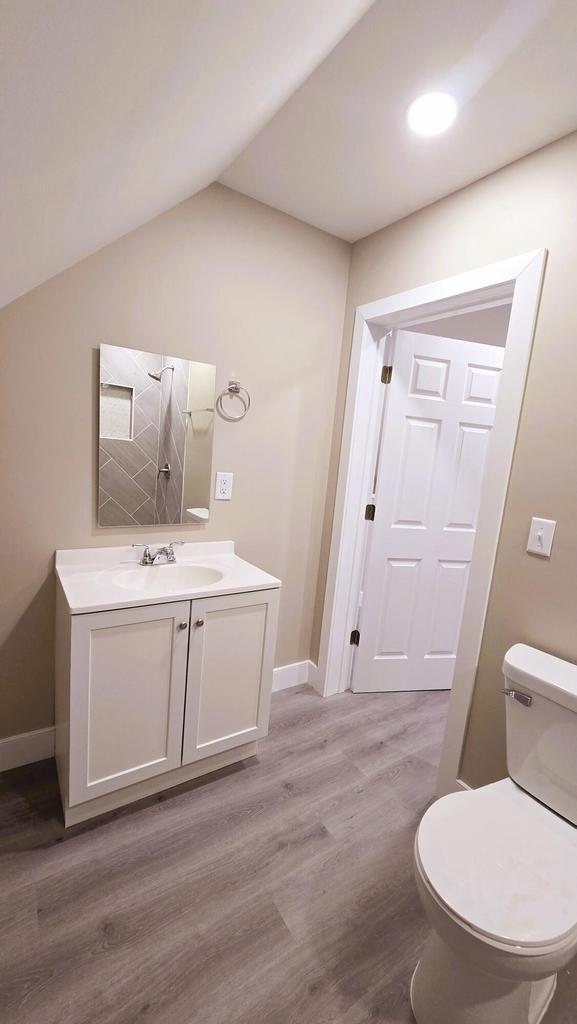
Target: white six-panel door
(439,413)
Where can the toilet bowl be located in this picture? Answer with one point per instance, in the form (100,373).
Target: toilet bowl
(496,872)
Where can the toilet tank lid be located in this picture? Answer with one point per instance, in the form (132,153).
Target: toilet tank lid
(543,674)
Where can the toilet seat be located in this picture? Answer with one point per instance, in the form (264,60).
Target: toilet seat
(503,864)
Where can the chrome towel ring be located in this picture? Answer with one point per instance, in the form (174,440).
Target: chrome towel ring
(233,390)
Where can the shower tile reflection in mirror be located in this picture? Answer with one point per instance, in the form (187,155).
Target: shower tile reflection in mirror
(155,438)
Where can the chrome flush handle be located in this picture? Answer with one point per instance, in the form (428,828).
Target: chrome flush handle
(522,698)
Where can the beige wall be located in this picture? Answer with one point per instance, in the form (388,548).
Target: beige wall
(224,279)
(531,204)
(219,279)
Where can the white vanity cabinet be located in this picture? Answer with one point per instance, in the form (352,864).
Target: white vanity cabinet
(158,693)
(127,687)
(230,666)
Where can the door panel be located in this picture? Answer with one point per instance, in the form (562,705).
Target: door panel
(417,467)
(481,386)
(429,378)
(468,477)
(438,418)
(447,608)
(127,696)
(229,672)
(401,588)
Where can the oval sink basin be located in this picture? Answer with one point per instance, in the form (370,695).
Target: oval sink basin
(167,579)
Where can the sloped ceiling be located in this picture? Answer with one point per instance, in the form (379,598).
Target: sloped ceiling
(339,154)
(112,111)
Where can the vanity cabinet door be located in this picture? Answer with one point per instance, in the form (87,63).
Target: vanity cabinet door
(230,666)
(128,680)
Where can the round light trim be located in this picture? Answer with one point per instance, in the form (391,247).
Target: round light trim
(432,114)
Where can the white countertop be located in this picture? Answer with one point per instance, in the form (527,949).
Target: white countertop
(97,579)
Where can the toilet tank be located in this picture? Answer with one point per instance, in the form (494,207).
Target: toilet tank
(541,713)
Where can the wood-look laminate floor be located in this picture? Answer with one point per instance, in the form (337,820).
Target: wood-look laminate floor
(280,892)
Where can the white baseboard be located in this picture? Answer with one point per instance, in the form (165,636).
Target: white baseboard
(316,680)
(293,675)
(26,748)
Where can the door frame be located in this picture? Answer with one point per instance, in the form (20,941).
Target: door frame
(519,281)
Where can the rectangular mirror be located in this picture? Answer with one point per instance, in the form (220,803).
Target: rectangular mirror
(156,416)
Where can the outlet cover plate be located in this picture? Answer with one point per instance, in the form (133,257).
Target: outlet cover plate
(223,486)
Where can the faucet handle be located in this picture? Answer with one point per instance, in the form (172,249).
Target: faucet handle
(170,549)
(146,556)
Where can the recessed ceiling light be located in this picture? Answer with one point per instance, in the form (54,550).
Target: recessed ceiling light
(432,114)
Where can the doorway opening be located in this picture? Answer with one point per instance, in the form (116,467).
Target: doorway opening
(435,390)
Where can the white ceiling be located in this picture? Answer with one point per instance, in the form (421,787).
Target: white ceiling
(112,111)
(339,155)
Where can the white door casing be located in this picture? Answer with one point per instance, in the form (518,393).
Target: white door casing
(440,409)
(230,666)
(518,280)
(127,689)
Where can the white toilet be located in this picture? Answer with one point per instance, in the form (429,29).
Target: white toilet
(496,867)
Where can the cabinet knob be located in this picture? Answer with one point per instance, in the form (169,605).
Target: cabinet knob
(199,622)
(183,625)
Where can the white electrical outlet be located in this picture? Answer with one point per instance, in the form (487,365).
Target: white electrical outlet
(223,486)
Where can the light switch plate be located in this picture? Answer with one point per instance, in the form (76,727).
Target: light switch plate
(541,535)
(223,486)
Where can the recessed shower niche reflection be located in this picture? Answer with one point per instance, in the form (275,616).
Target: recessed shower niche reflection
(155,438)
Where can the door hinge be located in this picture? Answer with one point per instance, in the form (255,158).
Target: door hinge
(386,374)
(355,637)
(370,513)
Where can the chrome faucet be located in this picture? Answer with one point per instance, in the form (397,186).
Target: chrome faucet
(165,552)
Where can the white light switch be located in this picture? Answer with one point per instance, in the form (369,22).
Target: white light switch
(223,486)
(541,537)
